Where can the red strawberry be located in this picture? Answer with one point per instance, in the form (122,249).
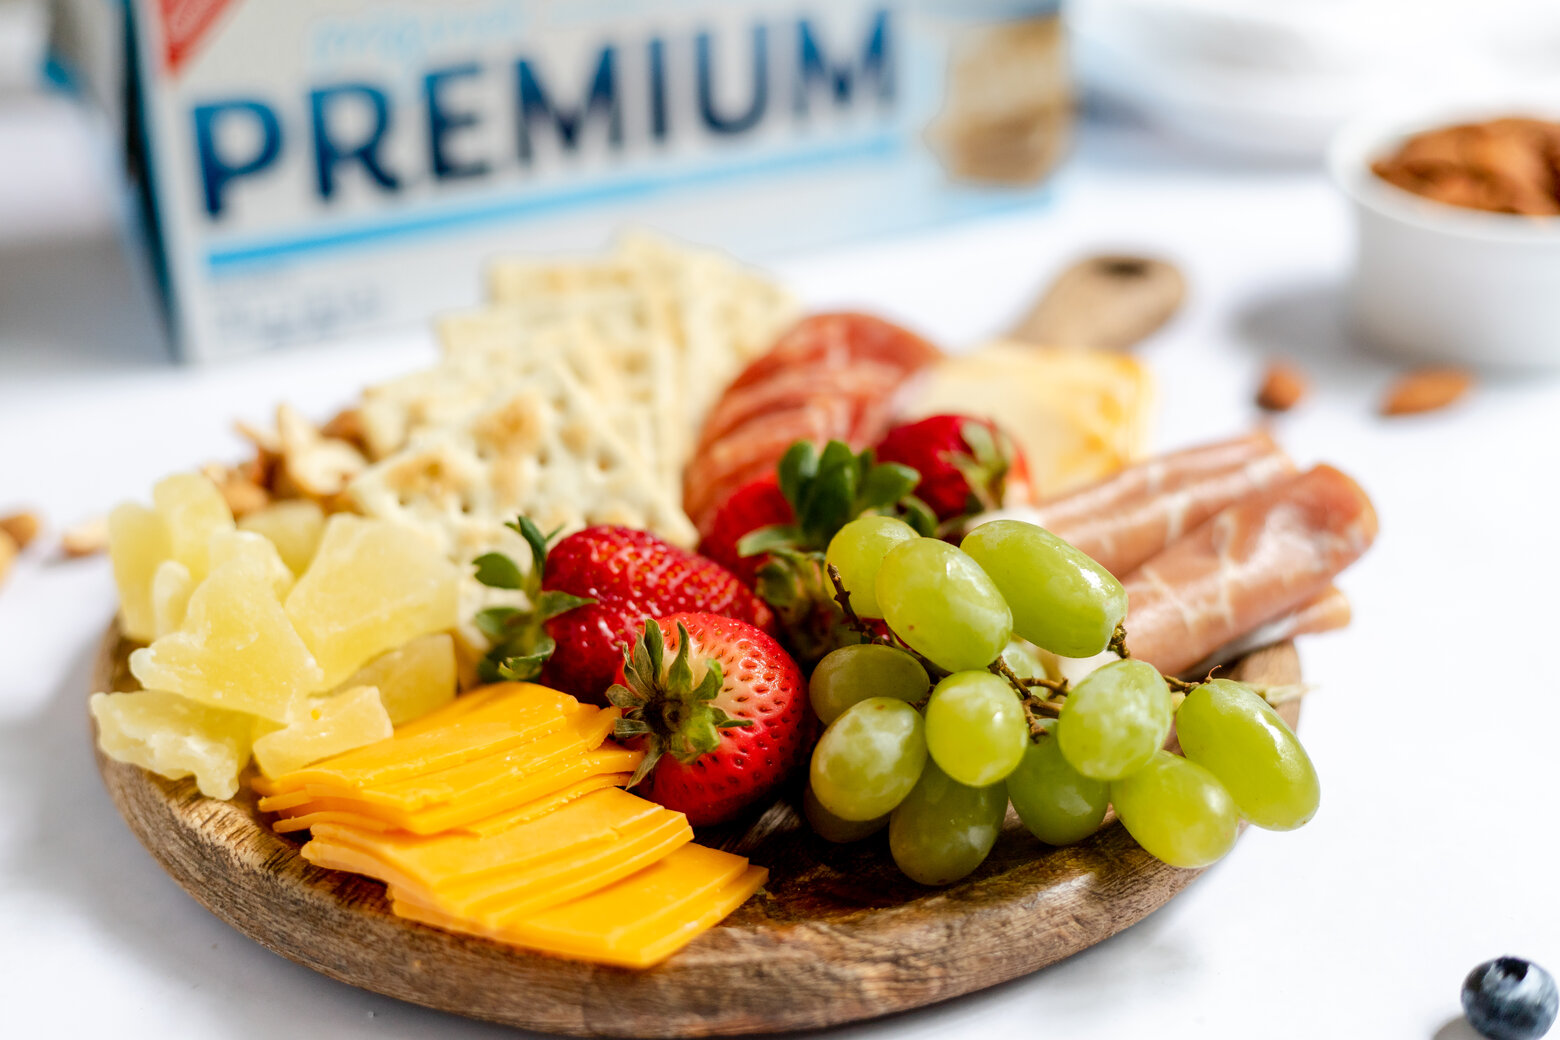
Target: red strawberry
(720,710)
(758,503)
(966,464)
(590,595)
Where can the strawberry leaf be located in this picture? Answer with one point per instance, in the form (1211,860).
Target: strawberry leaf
(797,467)
(551,603)
(763,539)
(525,667)
(526,528)
(496,622)
(497,571)
(885,484)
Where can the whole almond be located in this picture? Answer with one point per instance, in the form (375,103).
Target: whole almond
(86,538)
(8,552)
(22,527)
(1425,390)
(1283,387)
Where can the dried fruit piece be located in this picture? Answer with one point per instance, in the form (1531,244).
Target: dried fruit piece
(347,720)
(137,544)
(193,510)
(87,538)
(294,526)
(236,648)
(412,680)
(372,586)
(246,545)
(21,527)
(175,737)
(1425,390)
(171,591)
(1283,387)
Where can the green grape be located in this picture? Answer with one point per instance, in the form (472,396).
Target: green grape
(1061,599)
(830,827)
(1114,720)
(975,728)
(1058,804)
(943,605)
(1177,810)
(855,673)
(1025,659)
(857,549)
(944,829)
(1228,729)
(869,758)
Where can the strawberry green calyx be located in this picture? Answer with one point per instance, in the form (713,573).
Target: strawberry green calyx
(667,706)
(985,468)
(828,490)
(521,645)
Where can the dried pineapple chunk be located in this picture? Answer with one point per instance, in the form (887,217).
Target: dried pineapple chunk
(175,737)
(193,509)
(232,545)
(171,591)
(347,720)
(137,543)
(293,526)
(372,586)
(236,648)
(412,680)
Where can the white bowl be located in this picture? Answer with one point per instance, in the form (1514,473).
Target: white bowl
(1436,282)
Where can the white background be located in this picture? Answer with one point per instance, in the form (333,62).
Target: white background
(1434,724)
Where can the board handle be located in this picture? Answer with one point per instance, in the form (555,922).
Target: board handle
(1106,302)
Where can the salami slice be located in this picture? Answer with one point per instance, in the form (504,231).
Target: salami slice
(1252,562)
(833,340)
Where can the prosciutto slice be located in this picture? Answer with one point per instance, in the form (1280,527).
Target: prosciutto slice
(1126,519)
(1251,563)
(1325,613)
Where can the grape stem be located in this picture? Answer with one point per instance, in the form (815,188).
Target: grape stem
(1118,641)
(1033,706)
(842,597)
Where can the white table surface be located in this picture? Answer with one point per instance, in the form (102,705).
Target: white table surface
(1434,734)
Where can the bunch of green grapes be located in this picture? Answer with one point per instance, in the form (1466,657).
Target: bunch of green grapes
(933,733)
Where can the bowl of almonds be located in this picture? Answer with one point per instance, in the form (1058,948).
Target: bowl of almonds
(1457,220)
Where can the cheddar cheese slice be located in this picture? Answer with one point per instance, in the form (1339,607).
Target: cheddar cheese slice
(637,922)
(313,812)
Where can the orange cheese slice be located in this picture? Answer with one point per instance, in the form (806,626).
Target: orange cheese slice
(510,794)
(495,723)
(582,870)
(315,812)
(437,861)
(637,922)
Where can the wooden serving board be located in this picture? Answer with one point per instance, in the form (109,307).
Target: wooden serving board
(837,935)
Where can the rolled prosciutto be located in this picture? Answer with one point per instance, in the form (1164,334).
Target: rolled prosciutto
(1325,613)
(1126,519)
(1251,563)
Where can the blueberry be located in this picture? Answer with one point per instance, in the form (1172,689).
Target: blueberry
(1510,999)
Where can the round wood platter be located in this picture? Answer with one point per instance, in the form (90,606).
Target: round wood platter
(836,936)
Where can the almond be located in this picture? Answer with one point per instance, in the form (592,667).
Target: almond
(1425,390)
(86,538)
(22,527)
(8,552)
(1283,386)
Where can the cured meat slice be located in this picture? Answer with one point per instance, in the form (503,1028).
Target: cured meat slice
(1130,517)
(1325,613)
(1252,562)
(833,340)
(798,388)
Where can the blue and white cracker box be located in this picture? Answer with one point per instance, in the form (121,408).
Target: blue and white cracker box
(320,168)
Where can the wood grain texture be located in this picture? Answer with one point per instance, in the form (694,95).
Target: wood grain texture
(838,935)
(1104,303)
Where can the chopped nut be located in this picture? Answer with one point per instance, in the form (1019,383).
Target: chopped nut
(243,495)
(1282,387)
(22,527)
(8,552)
(86,538)
(1425,390)
(346,425)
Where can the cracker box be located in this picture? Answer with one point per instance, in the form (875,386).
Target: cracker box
(321,168)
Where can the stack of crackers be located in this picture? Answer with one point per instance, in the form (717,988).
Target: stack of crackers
(573,398)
